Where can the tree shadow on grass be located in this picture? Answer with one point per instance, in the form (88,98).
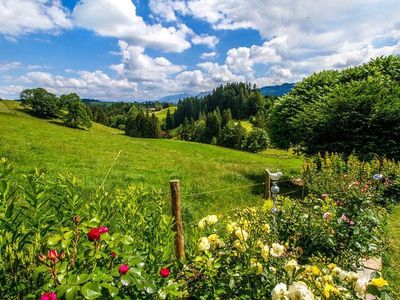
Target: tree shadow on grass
(60,123)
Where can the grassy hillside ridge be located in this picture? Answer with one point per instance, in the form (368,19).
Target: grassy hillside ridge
(162,114)
(31,142)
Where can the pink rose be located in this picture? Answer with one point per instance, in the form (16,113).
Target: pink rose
(123,269)
(48,296)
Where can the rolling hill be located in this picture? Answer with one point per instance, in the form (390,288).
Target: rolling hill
(31,142)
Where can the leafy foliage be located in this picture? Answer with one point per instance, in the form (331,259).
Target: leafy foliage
(42,103)
(354,110)
(76,114)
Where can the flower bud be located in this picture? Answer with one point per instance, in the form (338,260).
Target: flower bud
(93,234)
(103,229)
(123,269)
(52,255)
(42,257)
(164,272)
(48,296)
(76,219)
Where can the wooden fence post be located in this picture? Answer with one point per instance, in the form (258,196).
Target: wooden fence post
(267,185)
(177,214)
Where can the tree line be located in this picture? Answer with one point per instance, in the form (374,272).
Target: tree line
(69,108)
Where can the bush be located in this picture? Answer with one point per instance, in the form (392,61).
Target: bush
(256,141)
(354,110)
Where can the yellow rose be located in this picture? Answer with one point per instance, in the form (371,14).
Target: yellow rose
(277,250)
(265,252)
(207,221)
(266,228)
(204,244)
(328,289)
(256,265)
(231,227)
(242,234)
(240,245)
(379,282)
(291,266)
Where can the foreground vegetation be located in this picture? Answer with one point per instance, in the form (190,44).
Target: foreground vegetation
(59,241)
(33,142)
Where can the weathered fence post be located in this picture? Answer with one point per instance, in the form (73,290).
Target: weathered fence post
(177,214)
(267,185)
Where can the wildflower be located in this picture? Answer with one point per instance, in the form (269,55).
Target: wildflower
(103,229)
(48,296)
(230,227)
(94,234)
(52,255)
(204,244)
(299,290)
(242,234)
(265,252)
(215,241)
(266,228)
(256,265)
(328,289)
(351,223)
(259,243)
(361,286)
(379,282)
(279,292)
(42,257)
(344,218)
(327,216)
(123,269)
(277,250)
(164,272)
(207,221)
(291,266)
(324,196)
(240,245)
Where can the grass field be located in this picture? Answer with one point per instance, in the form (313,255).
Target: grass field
(162,114)
(392,256)
(32,142)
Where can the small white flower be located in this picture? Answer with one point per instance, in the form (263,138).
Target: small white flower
(204,244)
(279,292)
(277,250)
(300,291)
(242,234)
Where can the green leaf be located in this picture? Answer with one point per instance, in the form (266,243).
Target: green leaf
(91,290)
(111,289)
(72,293)
(54,240)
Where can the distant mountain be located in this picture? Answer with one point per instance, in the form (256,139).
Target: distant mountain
(277,90)
(175,98)
(203,94)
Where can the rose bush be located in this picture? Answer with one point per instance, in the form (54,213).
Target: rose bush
(60,241)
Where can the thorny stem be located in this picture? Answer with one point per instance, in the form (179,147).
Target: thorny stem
(75,246)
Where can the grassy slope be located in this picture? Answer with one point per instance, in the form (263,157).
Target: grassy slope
(162,114)
(392,257)
(31,142)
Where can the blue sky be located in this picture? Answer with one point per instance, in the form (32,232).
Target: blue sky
(146,49)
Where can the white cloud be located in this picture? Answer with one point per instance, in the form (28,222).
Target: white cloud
(87,84)
(208,55)
(138,66)
(25,16)
(7,66)
(119,19)
(166,8)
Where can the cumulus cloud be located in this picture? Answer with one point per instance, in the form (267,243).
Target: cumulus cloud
(87,84)
(7,66)
(19,17)
(302,37)
(208,55)
(119,19)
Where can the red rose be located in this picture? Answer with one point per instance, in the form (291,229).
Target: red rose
(113,255)
(52,255)
(123,269)
(94,234)
(164,272)
(49,296)
(103,229)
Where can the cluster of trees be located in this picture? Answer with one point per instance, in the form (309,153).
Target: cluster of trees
(141,123)
(356,110)
(201,119)
(242,99)
(220,129)
(69,108)
(116,114)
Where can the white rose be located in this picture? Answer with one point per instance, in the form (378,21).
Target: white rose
(204,244)
(279,292)
(300,291)
(277,250)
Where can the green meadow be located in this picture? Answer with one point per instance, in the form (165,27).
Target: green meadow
(30,142)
